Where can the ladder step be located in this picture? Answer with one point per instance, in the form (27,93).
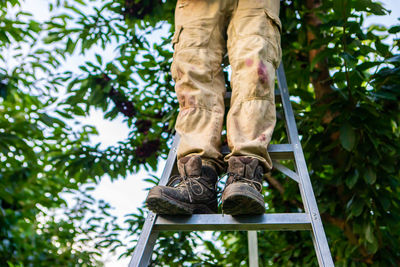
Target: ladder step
(277,152)
(219,222)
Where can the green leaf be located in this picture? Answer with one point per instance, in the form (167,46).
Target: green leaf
(369,233)
(385,202)
(347,137)
(352,180)
(46,119)
(394,29)
(3,90)
(349,59)
(394,59)
(357,207)
(70,46)
(99,59)
(370,176)
(385,95)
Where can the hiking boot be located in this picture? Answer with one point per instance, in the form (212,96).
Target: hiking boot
(192,192)
(242,193)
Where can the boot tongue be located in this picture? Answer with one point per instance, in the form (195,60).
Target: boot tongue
(190,166)
(251,165)
(243,166)
(236,166)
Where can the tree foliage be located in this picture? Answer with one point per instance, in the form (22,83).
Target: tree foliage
(347,109)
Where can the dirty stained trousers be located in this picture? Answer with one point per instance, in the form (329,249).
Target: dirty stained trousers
(205,30)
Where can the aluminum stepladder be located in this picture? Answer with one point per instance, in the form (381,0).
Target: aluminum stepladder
(309,220)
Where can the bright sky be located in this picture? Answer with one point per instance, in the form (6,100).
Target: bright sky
(126,195)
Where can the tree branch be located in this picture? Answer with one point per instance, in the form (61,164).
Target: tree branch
(277,185)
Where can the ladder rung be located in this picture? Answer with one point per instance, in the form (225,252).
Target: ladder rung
(281,151)
(219,222)
(277,152)
(228,96)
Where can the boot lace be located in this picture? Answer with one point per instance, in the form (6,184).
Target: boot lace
(188,182)
(238,178)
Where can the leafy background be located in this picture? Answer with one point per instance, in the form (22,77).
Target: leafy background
(347,108)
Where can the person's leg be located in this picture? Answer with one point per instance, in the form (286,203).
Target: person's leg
(254,53)
(200,44)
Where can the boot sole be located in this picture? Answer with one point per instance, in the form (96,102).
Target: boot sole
(167,206)
(242,199)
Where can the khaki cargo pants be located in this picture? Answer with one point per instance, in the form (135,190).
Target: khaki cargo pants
(249,30)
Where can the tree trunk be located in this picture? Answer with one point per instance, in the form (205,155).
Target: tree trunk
(322,81)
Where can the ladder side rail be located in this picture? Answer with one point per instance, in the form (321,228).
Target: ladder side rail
(310,204)
(147,239)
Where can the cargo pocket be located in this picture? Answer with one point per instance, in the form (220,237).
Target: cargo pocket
(175,41)
(275,20)
(177,34)
(274,38)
